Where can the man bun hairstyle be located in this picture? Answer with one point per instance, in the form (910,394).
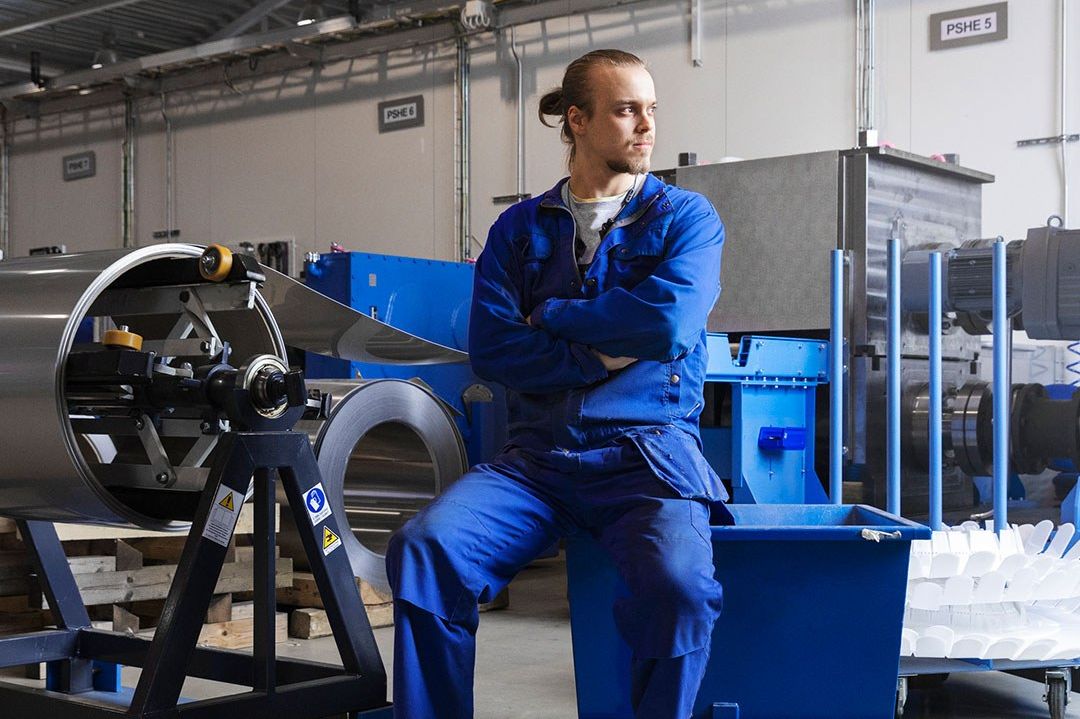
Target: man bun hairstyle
(575,90)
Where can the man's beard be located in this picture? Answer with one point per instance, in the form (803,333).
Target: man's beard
(630,167)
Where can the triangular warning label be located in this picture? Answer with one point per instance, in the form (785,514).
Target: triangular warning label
(227,502)
(329,538)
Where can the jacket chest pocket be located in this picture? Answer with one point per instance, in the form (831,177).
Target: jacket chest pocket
(634,259)
(537,271)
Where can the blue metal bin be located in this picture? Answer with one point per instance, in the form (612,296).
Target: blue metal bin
(813,609)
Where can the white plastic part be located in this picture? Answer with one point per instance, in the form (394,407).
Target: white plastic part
(972,646)
(1038,650)
(908,637)
(1005,648)
(1021,585)
(1043,565)
(921,554)
(935,641)
(1061,539)
(958,590)
(1036,543)
(1012,564)
(1073,554)
(918,566)
(972,594)
(990,588)
(1010,543)
(926,595)
(1057,585)
(944,563)
(1025,531)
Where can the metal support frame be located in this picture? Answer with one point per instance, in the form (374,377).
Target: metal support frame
(767,452)
(62,14)
(837,381)
(248,20)
(1002,328)
(893,386)
(280,687)
(934,332)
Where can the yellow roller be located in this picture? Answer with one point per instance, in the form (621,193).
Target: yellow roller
(215,263)
(122,339)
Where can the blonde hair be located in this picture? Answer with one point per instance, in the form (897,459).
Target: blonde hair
(575,90)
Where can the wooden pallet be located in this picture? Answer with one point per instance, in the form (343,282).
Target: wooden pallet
(124,576)
(308,620)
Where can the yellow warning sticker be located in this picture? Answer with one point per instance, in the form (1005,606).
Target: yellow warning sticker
(223,515)
(330,541)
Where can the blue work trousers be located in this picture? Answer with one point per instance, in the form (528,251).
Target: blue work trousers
(470,542)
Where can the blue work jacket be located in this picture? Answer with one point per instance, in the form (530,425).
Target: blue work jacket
(647,294)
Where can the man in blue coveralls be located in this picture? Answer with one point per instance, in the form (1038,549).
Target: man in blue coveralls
(589,304)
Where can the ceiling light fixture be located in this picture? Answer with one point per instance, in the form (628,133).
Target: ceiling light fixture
(106,54)
(312,12)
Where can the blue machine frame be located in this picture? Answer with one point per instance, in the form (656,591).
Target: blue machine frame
(399,291)
(768,451)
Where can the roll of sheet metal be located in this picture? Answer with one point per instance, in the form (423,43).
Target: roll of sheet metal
(387,448)
(75,448)
(314,322)
(49,468)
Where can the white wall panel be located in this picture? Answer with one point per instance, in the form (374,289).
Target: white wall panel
(299,155)
(81,214)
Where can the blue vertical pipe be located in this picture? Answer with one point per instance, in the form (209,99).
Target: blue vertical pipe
(1002,391)
(836,382)
(892,466)
(935,390)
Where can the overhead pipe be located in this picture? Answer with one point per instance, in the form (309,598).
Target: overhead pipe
(865,61)
(464,150)
(169,218)
(1063,75)
(5,185)
(127,171)
(520,115)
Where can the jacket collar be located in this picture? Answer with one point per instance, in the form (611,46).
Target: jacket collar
(651,190)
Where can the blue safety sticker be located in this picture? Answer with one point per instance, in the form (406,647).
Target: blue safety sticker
(318,506)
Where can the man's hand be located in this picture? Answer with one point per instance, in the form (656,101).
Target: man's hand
(614,363)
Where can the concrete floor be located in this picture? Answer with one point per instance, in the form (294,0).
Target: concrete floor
(525,666)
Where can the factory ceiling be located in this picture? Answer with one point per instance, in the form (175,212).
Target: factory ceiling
(83,46)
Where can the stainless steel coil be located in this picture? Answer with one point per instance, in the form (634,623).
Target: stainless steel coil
(86,439)
(50,468)
(387,448)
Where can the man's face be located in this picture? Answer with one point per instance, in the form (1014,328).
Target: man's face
(622,128)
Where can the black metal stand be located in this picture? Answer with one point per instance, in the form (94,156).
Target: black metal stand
(286,688)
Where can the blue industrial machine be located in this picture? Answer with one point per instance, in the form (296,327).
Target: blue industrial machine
(430,299)
(758,429)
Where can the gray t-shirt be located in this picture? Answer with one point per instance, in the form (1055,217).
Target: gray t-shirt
(591,215)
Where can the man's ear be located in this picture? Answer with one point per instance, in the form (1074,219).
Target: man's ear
(576,119)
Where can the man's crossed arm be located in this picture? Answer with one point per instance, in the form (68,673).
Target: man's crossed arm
(566,344)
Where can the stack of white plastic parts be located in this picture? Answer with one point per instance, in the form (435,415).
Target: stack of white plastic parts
(974,595)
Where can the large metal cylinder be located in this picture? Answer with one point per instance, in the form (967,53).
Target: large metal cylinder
(386,449)
(48,469)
